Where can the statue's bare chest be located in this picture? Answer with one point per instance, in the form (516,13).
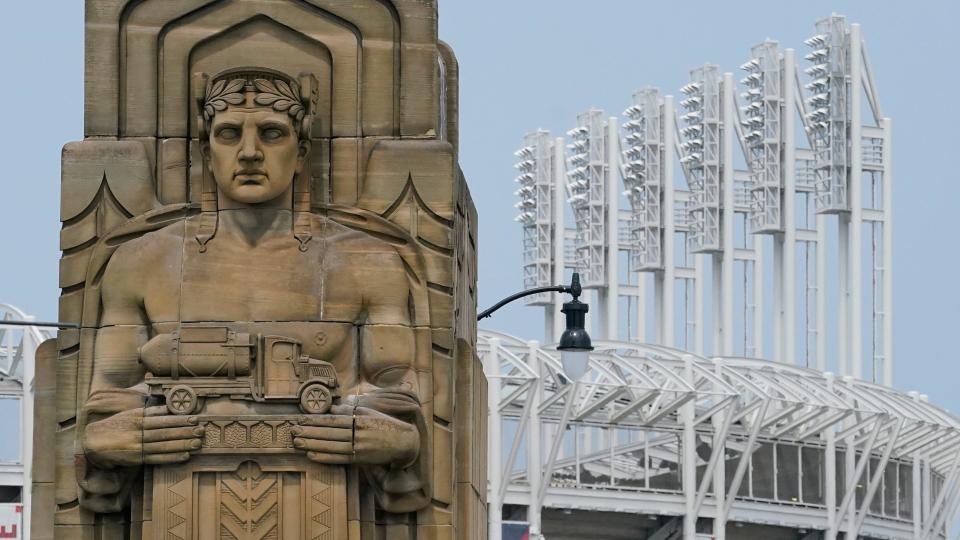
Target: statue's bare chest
(272,281)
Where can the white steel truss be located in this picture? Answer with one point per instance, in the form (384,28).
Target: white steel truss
(18,347)
(654,430)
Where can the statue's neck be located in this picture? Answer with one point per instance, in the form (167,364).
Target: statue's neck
(253,225)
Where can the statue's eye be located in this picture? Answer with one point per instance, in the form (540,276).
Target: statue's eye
(272,134)
(228,133)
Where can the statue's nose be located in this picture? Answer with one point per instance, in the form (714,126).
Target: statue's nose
(249,149)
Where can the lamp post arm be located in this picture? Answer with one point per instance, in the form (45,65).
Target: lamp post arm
(552,288)
(573,289)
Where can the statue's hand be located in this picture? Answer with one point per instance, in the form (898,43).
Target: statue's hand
(357,435)
(141,436)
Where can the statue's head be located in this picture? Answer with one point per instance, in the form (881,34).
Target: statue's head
(255,132)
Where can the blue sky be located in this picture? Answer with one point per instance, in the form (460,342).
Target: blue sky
(537,63)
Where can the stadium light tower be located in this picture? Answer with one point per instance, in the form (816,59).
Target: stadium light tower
(648,161)
(701,156)
(540,167)
(768,126)
(707,161)
(593,174)
(642,178)
(828,114)
(853,180)
(762,126)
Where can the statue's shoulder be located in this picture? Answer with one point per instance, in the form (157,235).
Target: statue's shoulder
(144,242)
(346,225)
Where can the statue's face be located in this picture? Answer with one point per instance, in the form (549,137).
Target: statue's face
(254,153)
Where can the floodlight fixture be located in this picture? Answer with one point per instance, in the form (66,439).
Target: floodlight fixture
(693,116)
(524,178)
(525,152)
(526,165)
(818,40)
(525,203)
(578,199)
(634,163)
(818,114)
(817,55)
(577,160)
(818,85)
(817,70)
(820,100)
(578,146)
(526,218)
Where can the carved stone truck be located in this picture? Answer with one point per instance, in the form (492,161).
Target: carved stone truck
(194,363)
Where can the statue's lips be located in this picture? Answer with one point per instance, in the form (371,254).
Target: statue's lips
(250,177)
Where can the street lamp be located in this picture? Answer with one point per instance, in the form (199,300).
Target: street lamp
(574,343)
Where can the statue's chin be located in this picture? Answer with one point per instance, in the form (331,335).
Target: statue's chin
(253,194)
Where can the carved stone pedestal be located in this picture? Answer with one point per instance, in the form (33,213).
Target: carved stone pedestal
(282,497)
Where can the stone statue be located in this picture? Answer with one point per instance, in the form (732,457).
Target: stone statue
(276,300)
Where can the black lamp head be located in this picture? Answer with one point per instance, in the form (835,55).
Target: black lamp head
(575,337)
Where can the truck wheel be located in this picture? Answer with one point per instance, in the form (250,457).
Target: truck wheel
(315,399)
(181,399)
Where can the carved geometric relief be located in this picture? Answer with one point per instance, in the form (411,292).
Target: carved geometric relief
(321,501)
(237,432)
(249,503)
(174,520)
(233,497)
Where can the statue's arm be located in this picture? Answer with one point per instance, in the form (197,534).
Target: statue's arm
(123,328)
(119,431)
(382,414)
